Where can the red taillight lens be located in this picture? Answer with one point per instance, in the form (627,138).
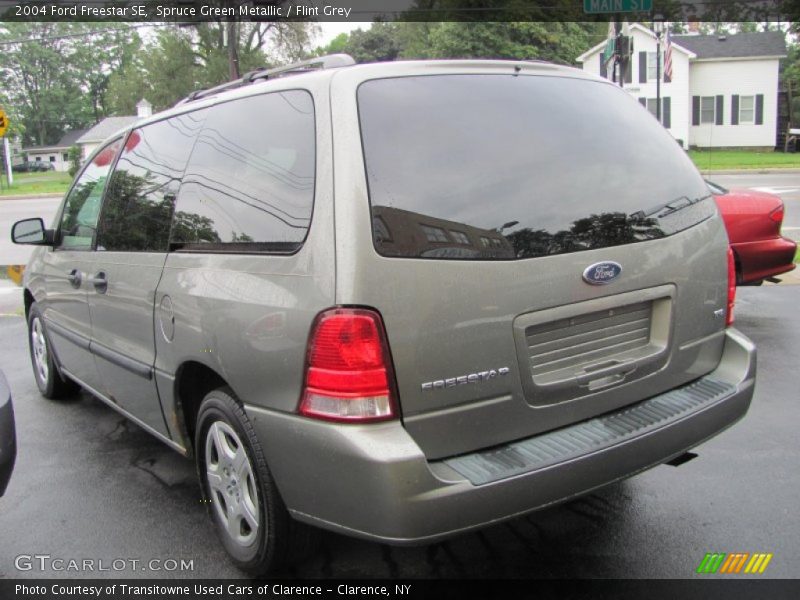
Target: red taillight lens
(777,215)
(731,287)
(348,372)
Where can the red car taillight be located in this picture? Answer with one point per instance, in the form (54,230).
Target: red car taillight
(348,372)
(731,287)
(777,215)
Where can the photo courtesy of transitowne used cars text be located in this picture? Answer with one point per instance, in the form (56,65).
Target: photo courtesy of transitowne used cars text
(397,301)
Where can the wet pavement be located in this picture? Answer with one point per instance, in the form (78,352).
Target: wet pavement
(90,485)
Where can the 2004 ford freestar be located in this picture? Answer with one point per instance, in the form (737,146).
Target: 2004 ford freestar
(398,301)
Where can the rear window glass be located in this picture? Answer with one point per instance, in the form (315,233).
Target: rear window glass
(503,167)
(249,184)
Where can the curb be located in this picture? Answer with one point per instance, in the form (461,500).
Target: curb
(33,196)
(755,171)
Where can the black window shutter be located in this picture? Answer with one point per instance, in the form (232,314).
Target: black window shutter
(603,70)
(643,102)
(666,113)
(695,110)
(720,100)
(735,109)
(629,71)
(759,109)
(642,67)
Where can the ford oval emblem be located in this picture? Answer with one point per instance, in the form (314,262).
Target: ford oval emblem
(602,272)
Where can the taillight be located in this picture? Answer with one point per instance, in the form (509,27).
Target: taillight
(777,215)
(731,287)
(348,372)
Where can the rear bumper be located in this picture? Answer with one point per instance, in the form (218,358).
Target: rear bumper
(373,481)
(765,258)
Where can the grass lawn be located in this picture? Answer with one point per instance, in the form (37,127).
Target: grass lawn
(36,183)
(743,159)
(797,256)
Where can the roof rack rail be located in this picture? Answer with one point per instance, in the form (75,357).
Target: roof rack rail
(330,61)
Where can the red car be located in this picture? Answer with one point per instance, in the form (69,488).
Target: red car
(753,220)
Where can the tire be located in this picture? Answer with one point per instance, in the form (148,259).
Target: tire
(249,515)
(48,377)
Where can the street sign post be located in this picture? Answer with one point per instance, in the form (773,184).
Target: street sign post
(6,149)
(593,7)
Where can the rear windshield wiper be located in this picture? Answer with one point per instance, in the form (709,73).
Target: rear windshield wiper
(671,207)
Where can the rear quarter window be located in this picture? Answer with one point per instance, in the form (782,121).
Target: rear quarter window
(249,184)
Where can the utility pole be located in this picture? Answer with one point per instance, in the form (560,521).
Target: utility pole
(618,63)
(233,50)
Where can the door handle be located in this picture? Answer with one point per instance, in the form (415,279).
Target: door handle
(74,278)
(99,282)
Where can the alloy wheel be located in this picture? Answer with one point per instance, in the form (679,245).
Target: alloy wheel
(231,484)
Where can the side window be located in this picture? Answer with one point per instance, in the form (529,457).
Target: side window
(249,185)
(142,190)
(82,206)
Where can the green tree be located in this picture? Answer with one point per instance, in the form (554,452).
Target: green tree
(381,42)
(74,156)
(38,78)
(181,60)
(97,56)
(336,46)
(790,80)
(56,74)
(559,42)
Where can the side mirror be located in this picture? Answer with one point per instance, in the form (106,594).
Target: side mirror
(31,231)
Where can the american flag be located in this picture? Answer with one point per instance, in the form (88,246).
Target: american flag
(667,58)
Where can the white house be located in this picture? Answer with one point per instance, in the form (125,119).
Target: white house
(57,154)
(110,125)
(723,92)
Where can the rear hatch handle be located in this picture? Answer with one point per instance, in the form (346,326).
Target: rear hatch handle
(604,374)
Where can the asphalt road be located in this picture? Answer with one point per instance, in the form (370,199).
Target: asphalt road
(90,485)
(12,211)
(786,185)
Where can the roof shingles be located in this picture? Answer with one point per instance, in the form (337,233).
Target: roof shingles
(106,128)
(740,45)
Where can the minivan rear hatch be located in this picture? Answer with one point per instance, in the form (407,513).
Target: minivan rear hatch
(542,252)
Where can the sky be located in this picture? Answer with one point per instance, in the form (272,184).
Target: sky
(328,31)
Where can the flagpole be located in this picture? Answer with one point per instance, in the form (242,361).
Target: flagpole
(658,27)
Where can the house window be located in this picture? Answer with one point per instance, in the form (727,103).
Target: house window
(747,109)
(652,106)
(460,237)
(707,107)
(52,159)
(65,157)
(651,66)
(434,234)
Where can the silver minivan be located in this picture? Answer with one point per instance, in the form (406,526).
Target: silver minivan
(397,301)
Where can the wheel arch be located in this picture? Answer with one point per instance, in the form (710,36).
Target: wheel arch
(28,299)
(193,380)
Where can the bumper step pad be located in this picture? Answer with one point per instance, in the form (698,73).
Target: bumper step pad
(590,436)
